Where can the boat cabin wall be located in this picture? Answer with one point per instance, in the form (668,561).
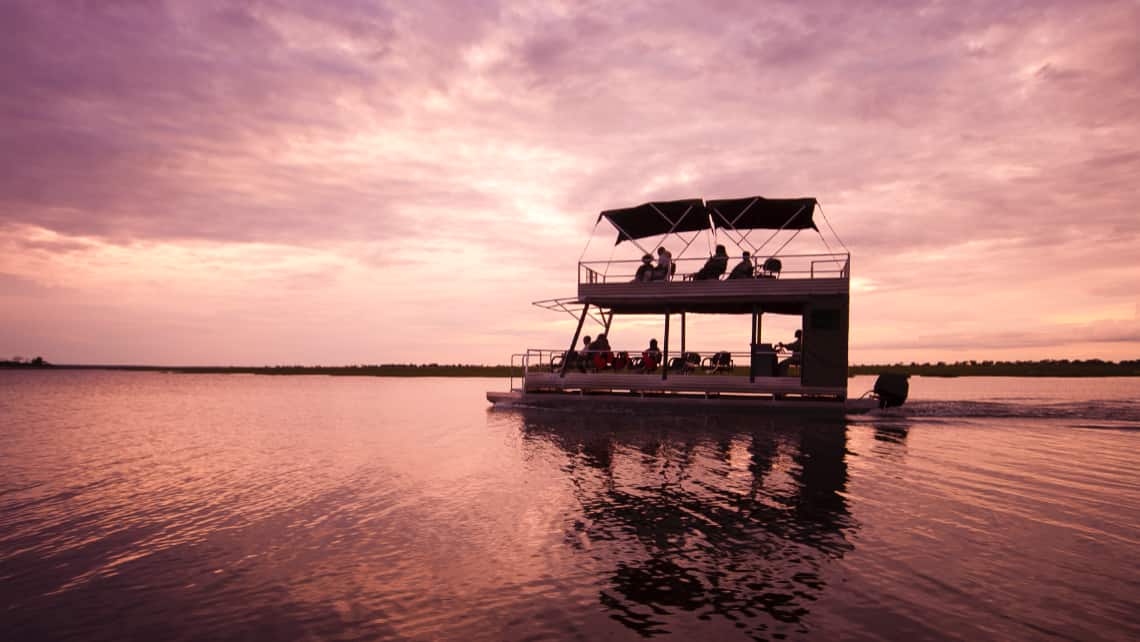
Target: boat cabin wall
(825,335)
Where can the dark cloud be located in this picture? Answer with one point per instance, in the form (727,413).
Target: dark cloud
(170,120)
(176,120)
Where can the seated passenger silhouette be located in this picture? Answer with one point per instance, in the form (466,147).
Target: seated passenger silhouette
(645,271)
(651,358)
(600,354)
(744,269)
(796,348)
(581,359)
(714,267)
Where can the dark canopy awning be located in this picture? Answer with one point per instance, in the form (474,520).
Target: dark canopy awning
(662,217)
(757,212)
(693,215)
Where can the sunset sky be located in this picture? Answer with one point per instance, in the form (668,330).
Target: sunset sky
(287,181)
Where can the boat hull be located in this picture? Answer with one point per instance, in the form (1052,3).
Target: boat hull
(516,398)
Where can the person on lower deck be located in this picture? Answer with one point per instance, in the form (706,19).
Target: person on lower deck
(714,267)
(744,269)
(796,348)
(645,271)
(600,352)
(582,359)
(651,358)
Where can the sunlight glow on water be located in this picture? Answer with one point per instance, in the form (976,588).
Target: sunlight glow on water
(152,506)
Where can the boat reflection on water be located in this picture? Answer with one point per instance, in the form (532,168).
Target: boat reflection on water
(696,519)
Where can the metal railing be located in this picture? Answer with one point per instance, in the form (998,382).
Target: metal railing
(692,362)
(795,266)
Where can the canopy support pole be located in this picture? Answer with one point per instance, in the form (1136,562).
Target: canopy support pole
(665,356)
(590,238)
(833,232)
(732,226)
(755,340)
(792,218)
(625,234)
(682,336)
(574,341)
(797,233)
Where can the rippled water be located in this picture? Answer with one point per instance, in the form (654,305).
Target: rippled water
(154,506)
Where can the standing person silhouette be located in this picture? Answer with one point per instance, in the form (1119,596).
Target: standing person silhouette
(664,269)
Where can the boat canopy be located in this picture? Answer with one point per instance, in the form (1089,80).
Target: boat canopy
(759,213)
(694,215)
(661,217)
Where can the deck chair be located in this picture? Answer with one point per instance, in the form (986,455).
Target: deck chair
(686,363)
(601,360)
(718,362)
(771,269)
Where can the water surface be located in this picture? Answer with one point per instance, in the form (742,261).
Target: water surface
(188,507)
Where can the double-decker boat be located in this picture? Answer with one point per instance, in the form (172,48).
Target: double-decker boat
(814,287)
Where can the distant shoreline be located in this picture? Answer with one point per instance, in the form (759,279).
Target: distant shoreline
(1090,368)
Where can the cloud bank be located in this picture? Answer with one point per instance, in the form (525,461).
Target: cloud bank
(279,181)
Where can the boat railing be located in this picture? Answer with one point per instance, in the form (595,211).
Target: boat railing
(728,362)
(796,266)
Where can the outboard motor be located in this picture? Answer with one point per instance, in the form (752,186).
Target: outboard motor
(892,389)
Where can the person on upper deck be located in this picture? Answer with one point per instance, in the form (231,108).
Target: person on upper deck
(714,267)
(645,271)
(744,269)
(796,348)
(664,269)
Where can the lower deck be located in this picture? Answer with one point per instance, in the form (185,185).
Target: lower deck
(677,402)
(701,384)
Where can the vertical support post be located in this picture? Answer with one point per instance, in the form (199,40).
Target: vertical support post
(752,346)
(682,335)
(665,355)
(609,320)
(755,336)
(574,341)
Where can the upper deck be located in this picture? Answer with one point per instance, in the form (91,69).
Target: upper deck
(801,279)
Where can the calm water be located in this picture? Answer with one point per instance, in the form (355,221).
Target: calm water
(185,507)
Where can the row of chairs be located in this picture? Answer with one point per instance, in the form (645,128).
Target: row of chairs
(619,361)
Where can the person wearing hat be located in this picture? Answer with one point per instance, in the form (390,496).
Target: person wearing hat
(744,269)
(645,272)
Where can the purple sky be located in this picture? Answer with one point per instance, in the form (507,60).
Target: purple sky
(361,182)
